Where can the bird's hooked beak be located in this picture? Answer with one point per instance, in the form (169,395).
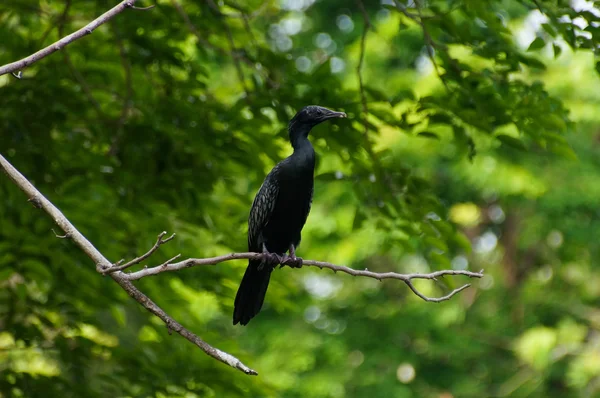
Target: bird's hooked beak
(334,114)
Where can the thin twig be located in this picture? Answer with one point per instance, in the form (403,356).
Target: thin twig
(435,299)
(84,85)
(232,47)
(236,61)
(430,44)
(128,84)
(378,168)
(248,28)
(240,54)
(127,99)
(65,41)
(78,76)
(363,96)
(188,22)
(242,14)
(406,278)
(137,260)
(102,263)
(60,21)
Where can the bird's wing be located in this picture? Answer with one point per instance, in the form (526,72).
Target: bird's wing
(261,211)
(309,205)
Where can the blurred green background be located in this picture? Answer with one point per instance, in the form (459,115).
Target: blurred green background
(479,150)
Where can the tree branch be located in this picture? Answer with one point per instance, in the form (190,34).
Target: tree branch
(169,266)
(65,41)
(102,263)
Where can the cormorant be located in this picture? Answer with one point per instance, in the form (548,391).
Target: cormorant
(279,212)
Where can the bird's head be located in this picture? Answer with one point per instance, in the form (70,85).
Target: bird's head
(307,118)
(313,114)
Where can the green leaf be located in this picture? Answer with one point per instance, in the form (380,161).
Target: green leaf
(402,95)
(6,273)
(440,118)
(376,94)
(536,44)
(557,50)
(550,29)
(384,115)
(439,261)
(511,141)
(463,242)
(331,176)
(428,134)
(437,243)
(531,62)
(359,218)
(563,150)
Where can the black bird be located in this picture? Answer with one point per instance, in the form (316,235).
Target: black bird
(279,212)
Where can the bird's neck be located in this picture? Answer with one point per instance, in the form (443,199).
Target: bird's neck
(299,137)
(304,154)
(302,144)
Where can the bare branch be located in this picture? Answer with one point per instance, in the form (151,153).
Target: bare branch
(102,264)
(406,278)
(65,41)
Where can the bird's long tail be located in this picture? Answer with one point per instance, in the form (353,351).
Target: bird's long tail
(251,293)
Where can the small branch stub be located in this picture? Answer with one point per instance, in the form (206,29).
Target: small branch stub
(65,236)
(142,8)
(35,201)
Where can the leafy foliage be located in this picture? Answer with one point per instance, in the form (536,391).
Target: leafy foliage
(476,126)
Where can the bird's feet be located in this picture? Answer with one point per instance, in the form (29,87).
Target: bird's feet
(291,261)
(271,260)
